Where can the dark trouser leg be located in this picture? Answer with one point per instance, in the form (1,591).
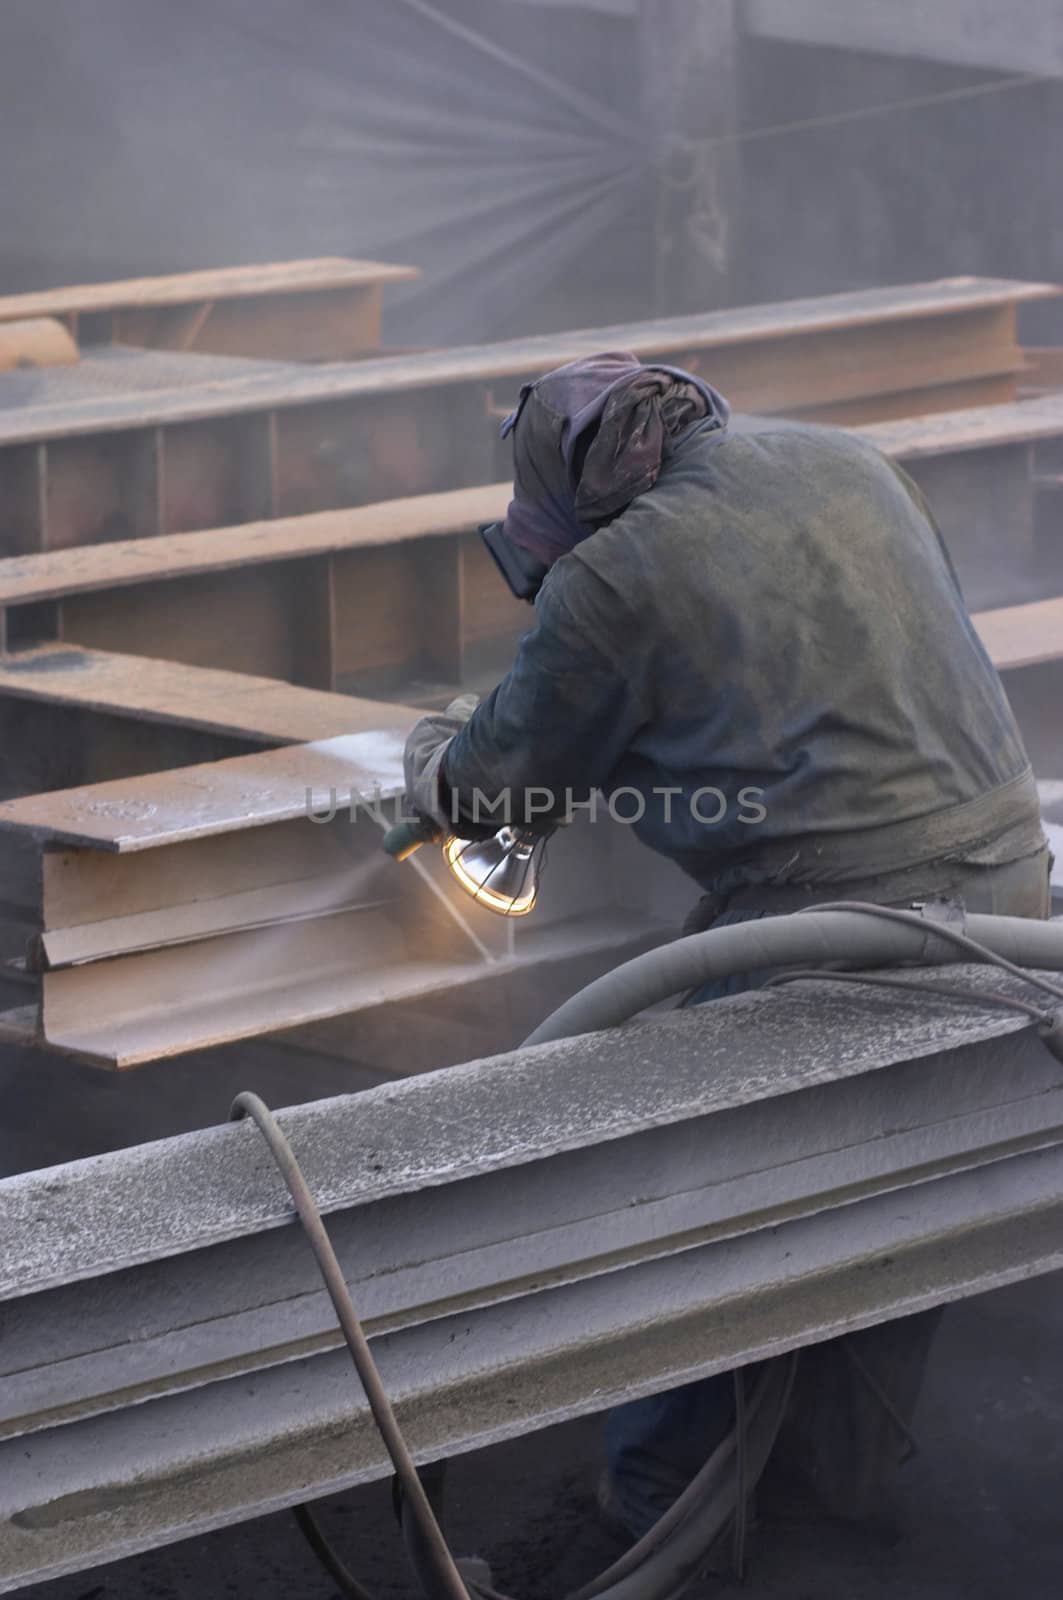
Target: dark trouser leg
(853,1402)
(655,1446)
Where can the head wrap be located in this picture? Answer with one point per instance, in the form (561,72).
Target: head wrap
(589,437)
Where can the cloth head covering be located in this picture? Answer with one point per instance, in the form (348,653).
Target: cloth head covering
(591,436)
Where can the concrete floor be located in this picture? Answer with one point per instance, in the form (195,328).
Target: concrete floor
(979,1514)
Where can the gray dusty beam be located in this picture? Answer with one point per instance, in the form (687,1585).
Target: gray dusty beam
(531,1237)
(172,1196)
(881,308)
(74,1497)
(247,1305)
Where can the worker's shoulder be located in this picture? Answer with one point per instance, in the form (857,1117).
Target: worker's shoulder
(772,459)
(752,435)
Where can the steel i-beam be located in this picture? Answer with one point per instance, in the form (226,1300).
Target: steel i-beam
(529,1238)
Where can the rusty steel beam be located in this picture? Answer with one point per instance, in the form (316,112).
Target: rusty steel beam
(979,472)
(186,909)
(70,716)
(286,440)
(232,704)
(317,310)
(399,596)
(1044,369)
(1023,636)
(155,915)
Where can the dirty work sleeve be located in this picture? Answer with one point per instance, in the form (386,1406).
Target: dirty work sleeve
(556,726)
(422,763)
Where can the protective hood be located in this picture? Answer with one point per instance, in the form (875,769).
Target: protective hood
(590,437)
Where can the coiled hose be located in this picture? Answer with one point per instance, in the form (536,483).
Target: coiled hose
(849,931)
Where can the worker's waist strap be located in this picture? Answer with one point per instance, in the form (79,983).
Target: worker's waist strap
(1000,826)
(1015,888)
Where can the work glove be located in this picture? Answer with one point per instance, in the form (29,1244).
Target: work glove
(423,758)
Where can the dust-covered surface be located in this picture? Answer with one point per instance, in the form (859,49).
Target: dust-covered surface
(152,1201)
(976,1518)
(104,373)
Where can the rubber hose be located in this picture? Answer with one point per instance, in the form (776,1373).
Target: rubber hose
(682,1539)
(662,1564)
(804,938)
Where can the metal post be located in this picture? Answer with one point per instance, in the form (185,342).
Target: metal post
(690,54)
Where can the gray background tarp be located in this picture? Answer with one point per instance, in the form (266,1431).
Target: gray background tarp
(517,150)
(141,136)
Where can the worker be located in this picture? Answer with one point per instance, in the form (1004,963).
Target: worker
(757,608)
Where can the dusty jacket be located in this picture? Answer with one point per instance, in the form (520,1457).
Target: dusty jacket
(778,614)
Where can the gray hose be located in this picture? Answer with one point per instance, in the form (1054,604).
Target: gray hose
(805,938)
(678,1545)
